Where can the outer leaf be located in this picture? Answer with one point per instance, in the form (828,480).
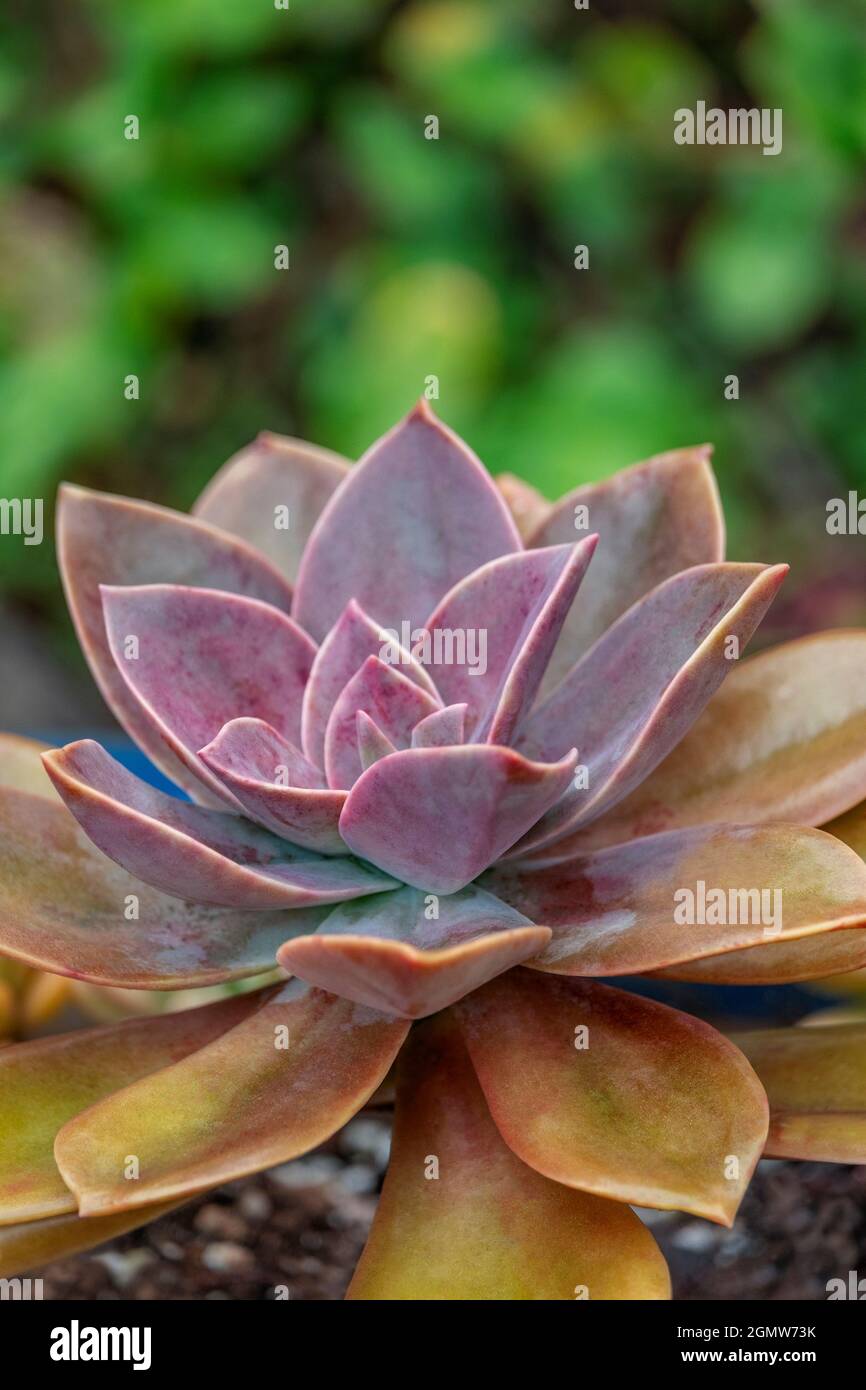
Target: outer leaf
(622,910)
(65,908)
(654,519)
(410,955)
(34,1243)
(21,766)
(202,855)
(202,658)
(436,817)
(517,605)
(111,540)
(780,962)
(248,756)
(43,1084)
(488,1227)
(417,514)
(816,1083)
(617,1095)
(350,641)
(784,739)
(394,703)
(658,666)
(271,494)
(525,503)
(279,1083)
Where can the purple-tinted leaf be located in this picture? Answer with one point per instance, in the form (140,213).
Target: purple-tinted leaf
(654,520)
(441,729)
(352,639)
(436,817)
(195,659)
(271,494)
(276,785)
(112,540)
(193,852)
(417,514)
(66,908)
(507,615)
(393,702)
(635,695)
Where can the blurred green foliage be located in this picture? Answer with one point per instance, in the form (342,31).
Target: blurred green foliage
(413,257)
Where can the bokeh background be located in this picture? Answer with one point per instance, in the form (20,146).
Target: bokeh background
(412,257)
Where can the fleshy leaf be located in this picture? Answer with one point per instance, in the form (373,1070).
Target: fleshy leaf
(394,703)
(654,519)
(529,508)
(43,1084)
(417,514)
(112,540)
(197,658)
(66,908)
(33,1244)
(279,1083)
(657,901)
(784,739)
(436,817)
(411,953)
(815,1080)
(516,605)
(276,785)
(635,695)
(782,962)
(442,729)
(616,1095)
(372,743)
(351,640)
(271,495)
(480,1225)
(191,851)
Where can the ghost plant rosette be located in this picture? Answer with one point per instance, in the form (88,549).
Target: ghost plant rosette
(448,778)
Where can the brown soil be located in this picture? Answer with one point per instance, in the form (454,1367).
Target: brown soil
(300,1229)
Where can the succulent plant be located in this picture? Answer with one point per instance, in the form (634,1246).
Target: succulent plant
(450,775)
